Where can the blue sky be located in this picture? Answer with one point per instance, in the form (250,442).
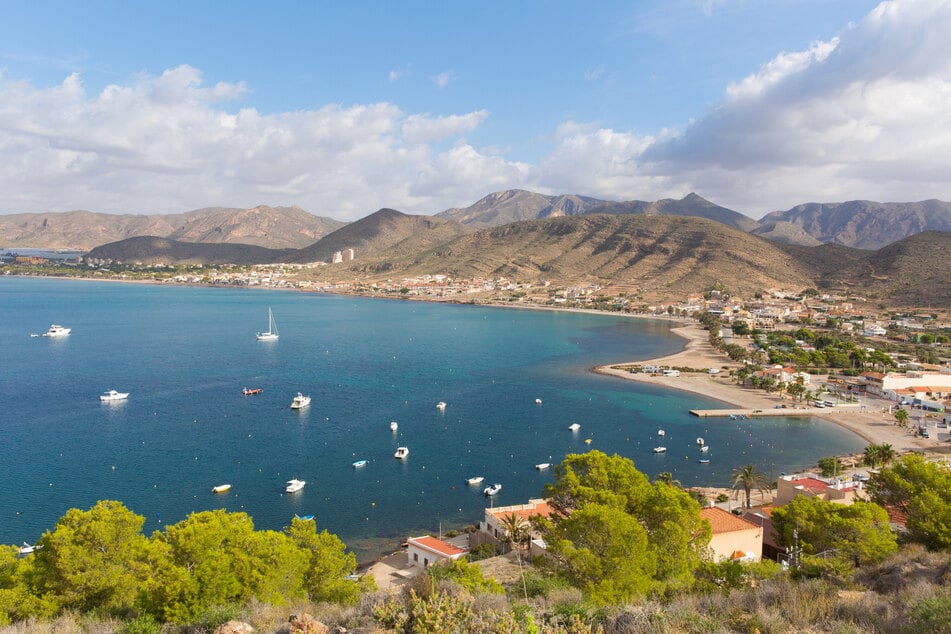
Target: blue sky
(343,108)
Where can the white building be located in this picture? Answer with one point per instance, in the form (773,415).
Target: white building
(427,550)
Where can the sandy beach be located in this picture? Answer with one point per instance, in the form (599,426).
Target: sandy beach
(874,424)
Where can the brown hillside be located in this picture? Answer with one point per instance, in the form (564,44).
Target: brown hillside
(665,254)
(152,250)
(274,227)
(387,229)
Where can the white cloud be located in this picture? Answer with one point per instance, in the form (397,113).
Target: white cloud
(866,115)
(165,143)
(442,79)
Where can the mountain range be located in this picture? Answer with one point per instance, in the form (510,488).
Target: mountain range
(894,251)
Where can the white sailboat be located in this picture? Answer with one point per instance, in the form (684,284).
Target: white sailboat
(271,333)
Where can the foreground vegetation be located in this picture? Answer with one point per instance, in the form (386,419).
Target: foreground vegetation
(626,555)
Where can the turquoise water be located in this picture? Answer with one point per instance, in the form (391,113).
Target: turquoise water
(185,353)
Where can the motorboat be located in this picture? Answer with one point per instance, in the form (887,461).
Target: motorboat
(221,488)
(492,490)
(112,395)
(27,549)
(401,452)
(661,432)
(587,441)
(57,331)
(440,406)
(705,449)
(543,466)
(700,441)
(475,480)
(360,463)
(300,401)
(251,391)
(293,486)
(394,426)
(660,449)
(305,518)
(271,333)
(574,426)
(704,461)
(538,401)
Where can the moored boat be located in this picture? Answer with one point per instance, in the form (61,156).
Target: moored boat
(394,426)
(253,390)
(705,449)
(221,488)
(704,461)
(401,452)
(538,401)
(542,466)
(660,449)
(700,441)
(475,480)
(492,490)
(112,395)
(440,406)
(271,333)
(293,486)
(360,463)
(574,426)
(57,331)
(300,401)
(661,432)
(305,518)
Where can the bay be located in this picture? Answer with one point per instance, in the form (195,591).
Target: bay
(185,353)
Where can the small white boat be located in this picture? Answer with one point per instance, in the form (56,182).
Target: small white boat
(574,426)
(26,549)
(705,449)
(293,486)
(492,490)
(360,463)
(305,518)
(538,401)
(112,395)
(661,432)
(475,480)
(271,333)
(57,331)
(221,488)
(660,449)
(440,406)
(700,441)
(401,452)
(300,401)
(394,426)
(542,466)
(704,461)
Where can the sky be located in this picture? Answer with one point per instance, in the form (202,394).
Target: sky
(342,108)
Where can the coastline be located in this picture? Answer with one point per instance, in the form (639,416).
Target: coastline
(873,424)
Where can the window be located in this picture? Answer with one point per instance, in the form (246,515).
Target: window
(415,556)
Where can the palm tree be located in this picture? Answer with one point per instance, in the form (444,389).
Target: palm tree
(902,417)
(886,453)
(747,478)
(516,530)
(667,478)
(872,455)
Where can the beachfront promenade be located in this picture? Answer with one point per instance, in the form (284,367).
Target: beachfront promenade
(775,411)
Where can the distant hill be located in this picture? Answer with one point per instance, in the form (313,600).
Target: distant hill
(514,205)
(861,223)
(386,229)
(155,250)
(272,227)
(668,254)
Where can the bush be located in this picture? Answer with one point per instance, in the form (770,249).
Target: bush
(932,614)
(483,551)
(145,624)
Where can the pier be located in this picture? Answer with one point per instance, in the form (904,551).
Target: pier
(753,413)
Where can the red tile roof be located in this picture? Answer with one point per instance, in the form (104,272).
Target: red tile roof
(437,546)
(725,522)
(535,508)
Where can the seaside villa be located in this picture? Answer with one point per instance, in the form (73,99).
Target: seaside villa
(732,537)
(491,530)
(830,490)
(427,550)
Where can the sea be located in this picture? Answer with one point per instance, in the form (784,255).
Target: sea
(184,355)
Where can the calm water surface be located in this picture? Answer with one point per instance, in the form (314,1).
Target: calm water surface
(185,353)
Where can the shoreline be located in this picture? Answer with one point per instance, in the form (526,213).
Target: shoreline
(873,425)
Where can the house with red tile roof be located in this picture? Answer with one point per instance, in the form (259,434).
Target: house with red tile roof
(427,550)
(828,489)
(733,537)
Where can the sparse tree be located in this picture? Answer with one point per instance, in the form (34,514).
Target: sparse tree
(747,478)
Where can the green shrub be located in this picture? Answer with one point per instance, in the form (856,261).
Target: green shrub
(145,624)
(932,615)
